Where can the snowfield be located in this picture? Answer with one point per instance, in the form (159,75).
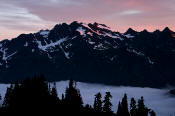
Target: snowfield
(157,99)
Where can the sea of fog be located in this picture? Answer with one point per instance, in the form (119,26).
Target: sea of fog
(157,99)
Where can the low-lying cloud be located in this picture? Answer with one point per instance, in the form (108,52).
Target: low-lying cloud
(157,99)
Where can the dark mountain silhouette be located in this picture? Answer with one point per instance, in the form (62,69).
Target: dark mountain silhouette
(131,31)
(91,53)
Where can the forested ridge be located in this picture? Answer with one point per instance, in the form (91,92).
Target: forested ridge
(36,95)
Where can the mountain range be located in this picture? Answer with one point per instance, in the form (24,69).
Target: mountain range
(91,53)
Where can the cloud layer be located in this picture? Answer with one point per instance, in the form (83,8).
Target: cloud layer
(22,16)
(157,99)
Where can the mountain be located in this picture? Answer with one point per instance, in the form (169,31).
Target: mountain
(91,53)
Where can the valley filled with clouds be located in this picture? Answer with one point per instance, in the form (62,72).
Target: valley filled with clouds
(157,99)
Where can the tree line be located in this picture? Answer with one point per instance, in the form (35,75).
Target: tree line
(35,95)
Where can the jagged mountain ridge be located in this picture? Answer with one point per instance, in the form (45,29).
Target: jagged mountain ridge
(91,53)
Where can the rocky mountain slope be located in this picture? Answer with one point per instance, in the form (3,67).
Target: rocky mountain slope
(91,53)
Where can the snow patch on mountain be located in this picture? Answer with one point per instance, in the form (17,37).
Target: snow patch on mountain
(26,44)
(100,46)
(44,33)
(111,35)
(9,56)
(89,33)
(47,46)
(116,36)
(135,52)
(112,58)
(61,41)
(105,34)
(91,42)
(129,36)
(81,31)
(5,55)
(150,61)
(102,26)
(33,50)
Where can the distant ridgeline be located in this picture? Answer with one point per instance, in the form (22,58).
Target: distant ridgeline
(91,53)
(35,95)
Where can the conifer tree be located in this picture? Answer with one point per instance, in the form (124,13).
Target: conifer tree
(124,105)
(152,113)
(54,104)
(8,97)
(62,97)
(119,110)
(72,97)
(133,107)
(49,89)
(98,102)
(88,109)
(107,103)
(142,110)
(54,93)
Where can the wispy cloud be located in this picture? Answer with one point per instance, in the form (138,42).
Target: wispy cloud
(131,12)
(15,20)
(11,12)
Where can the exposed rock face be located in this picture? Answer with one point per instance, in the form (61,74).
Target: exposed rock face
(91,53)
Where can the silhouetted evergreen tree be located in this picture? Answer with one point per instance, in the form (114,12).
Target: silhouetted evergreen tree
(119,110)
(107,103)
(54,94)
(31,95)
(62,97)
(49,88)
(55,102)
(73,98)
(88,109)
(124,106)
(98,102)
(133,107)
(152,113)
(142,110)
(8,97)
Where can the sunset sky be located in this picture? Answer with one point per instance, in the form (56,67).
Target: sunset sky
(28,16)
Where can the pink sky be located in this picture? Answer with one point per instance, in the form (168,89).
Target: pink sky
(28,16)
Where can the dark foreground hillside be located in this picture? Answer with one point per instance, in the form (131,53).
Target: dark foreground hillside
(36,95)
